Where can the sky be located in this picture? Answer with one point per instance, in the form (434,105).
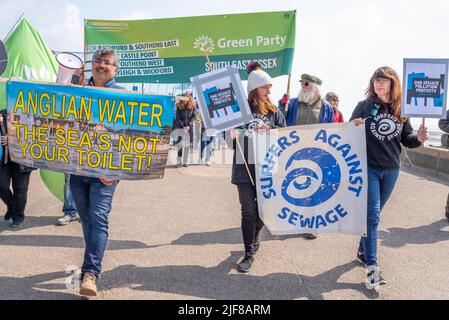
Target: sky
(342,42)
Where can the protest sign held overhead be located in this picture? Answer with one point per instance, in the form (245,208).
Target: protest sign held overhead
(221,99)
(173,50)
(425,88)
(312,179)
(89,131)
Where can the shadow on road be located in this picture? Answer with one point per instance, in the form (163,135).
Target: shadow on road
(398,237)
(226,236)
(217,283)
(192,281)
(33,288)
(30,223)
(65,242)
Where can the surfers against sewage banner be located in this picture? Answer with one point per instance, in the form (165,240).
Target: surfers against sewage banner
(312,179)
(173,50)
(89,131)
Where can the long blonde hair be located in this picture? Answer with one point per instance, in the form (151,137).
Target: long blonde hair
(262,107)
(189,104)
(395,90)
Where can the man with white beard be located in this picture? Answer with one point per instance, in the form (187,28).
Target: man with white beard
(308,107)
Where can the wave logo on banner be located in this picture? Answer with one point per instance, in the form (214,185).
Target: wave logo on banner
(313,179)
(300,180)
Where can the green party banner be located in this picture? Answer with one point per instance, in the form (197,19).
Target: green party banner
(175,49)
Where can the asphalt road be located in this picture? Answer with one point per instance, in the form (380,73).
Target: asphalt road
(179,238)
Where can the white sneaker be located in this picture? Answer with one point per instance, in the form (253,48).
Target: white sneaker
(373,278)
(200,161)
(66,219)
(208,163)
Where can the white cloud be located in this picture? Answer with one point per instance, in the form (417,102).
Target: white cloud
(72,18)
(63,29)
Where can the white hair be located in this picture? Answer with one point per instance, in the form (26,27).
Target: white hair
(310,96)
(107,51)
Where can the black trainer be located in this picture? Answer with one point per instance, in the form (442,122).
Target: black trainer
(15,224)
(361,258)
(246,263)
(8,214)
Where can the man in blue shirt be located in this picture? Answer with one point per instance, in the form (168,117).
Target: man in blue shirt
(93,196)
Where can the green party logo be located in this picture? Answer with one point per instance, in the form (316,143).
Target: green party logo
(204,44)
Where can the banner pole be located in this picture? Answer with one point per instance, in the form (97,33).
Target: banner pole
(208,61)
(288,91)
(288,83)
(244,160)
(423,124)
(85,50)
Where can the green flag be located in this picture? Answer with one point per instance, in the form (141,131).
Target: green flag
(29,58)
(174,50)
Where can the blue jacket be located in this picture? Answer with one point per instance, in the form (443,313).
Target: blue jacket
(326,113)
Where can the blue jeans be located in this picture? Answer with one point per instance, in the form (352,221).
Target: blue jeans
(380,186)
(206,144)
(94,202)
(69,207)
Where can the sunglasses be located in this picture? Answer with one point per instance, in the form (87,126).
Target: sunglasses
(305,83)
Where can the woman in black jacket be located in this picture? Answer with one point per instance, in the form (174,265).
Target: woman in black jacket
(19,176)
(185,115)
(259,84)
(385,130)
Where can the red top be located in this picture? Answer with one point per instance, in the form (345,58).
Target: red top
(338,116)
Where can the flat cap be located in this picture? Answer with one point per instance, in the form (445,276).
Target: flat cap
(308,77)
